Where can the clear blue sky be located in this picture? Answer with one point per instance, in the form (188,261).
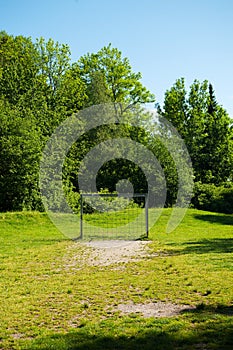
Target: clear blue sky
(163,39)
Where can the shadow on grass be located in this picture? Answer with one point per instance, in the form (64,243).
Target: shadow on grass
(206,332)
(205,309)
(215,245)
(219,219)
(204,246)
(79,341)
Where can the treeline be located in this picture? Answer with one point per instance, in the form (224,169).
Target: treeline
(40,87)
(207,131)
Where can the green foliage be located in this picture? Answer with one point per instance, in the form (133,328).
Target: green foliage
(213,198)
(40,88)
(109,78)
(54,61)
(114,170)
(108,202)
(175,106)
(18,67)
(19,160)
(169,167)
(205,128)
(71,95)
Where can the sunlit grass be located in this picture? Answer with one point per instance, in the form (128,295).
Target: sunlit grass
(49,303)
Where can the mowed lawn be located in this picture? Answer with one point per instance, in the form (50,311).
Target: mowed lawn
(51,299)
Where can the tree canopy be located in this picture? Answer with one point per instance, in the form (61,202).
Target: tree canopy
(40,88)
(205,127)
(112,76)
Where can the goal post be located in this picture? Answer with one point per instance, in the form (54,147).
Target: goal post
(114,216)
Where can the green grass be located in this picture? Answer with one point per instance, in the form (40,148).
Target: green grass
(49,302)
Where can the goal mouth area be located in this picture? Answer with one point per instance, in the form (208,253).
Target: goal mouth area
(113,216)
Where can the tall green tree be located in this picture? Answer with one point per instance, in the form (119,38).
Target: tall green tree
(116,80)
(65,89)
(18,67)
(217,157)
(54,61)
(175,107)
(205,128)
(20,149)
(38,90)
(108,78)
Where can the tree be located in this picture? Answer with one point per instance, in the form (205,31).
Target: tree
(175,106)
(216,157)
(54,61)
(20,149)
(108,79)
(38,90)
(97,89)
(71,94)
(205,128)
(65,91)
(118,83)
(18,67)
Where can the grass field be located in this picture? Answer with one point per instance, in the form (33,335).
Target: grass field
(49,303)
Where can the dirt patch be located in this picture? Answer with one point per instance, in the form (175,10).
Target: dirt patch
(158,309)
(106,253)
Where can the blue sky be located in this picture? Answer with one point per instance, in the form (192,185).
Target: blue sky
(163,39)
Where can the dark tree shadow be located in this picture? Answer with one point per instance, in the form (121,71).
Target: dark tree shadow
(219,333)
(204,246)
(210,309)
(79,341)
(212,245)
(215,245)
(226,219)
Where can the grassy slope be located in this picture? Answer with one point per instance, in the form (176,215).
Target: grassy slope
(46,304)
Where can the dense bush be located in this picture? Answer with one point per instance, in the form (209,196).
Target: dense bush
(213,198)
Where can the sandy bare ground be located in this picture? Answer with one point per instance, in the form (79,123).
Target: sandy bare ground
(106,253)
(158,309)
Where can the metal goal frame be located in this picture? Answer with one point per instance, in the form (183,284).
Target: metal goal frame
(113,195)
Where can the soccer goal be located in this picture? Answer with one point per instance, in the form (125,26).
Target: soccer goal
(113,216)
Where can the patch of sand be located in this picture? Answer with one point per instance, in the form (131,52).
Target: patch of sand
(158,309)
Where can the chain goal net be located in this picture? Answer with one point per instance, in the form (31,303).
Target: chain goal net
(113,216)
